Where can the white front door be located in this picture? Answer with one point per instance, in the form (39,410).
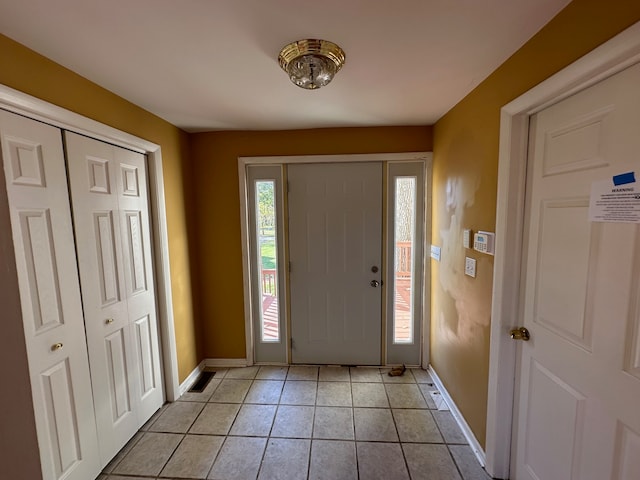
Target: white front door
(111,219)
(335,249)
(579,375)
(50,296)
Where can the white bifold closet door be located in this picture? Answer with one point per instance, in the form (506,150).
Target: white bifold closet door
(111,220)
(43,241)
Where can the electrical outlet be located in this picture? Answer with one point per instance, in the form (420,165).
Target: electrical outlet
(470,266)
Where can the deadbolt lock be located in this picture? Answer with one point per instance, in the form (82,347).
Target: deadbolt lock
(520,334)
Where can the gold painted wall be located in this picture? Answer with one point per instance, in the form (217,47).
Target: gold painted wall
(215,172)
(464,186)
(29,72)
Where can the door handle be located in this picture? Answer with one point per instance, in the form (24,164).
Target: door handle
(375,283)
(520,334)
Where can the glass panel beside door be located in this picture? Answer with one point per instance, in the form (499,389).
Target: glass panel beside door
(405,238)
(267,259)
(266,234)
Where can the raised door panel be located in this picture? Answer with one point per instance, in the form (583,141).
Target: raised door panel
(554,426)
(115,349)
(107,273)
(63,422)
(41,269)
(33,160)
(144,346)
(627,454)
(632,360)
(563,277)
(136,266)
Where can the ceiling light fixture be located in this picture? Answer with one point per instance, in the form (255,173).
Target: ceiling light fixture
(311,63)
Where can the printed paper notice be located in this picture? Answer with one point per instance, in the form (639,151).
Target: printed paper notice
(615,201)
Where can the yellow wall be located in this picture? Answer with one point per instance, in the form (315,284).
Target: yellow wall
(464,183)
(36,75)
(215,172)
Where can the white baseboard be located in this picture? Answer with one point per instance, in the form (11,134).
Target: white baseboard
(464,426)
(209,362)
(191,379)
(225,362)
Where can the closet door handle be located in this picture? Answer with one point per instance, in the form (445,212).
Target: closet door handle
(109,321)
(56,346)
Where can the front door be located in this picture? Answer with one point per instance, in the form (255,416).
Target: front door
(579,375)
(335,249)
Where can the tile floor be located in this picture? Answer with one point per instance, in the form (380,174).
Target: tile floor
(290,423)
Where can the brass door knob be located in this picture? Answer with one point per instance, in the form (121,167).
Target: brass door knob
(520,334)
(56,346)
(109,321)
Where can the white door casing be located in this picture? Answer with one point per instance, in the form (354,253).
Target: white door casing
(579,376)
(109,198)
(335,238)
(50,295)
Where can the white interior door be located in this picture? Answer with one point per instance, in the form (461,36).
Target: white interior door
(111,219)
(579,375)
(50,295)
(335,241)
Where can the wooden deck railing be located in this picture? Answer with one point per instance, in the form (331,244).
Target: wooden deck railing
(269,281)
(403,259)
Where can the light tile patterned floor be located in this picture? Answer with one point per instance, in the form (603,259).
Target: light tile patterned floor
(301,423)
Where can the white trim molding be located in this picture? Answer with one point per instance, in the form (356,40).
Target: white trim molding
(26,105)
(608,59)
(191,378)
(226,362)
(459,418)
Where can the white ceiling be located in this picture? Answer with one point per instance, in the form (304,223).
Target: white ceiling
(212,64)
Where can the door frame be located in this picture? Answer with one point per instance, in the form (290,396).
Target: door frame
(613,56)
(37,109)
(243,162)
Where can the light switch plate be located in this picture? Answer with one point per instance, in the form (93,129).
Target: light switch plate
(466,238)
(435,252)
(470,266)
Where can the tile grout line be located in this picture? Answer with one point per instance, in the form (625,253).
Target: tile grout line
(278,404)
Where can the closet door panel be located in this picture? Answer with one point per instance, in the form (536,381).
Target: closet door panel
(33,161)
(93,173)
(111,215)
(118,378)
(133,206)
